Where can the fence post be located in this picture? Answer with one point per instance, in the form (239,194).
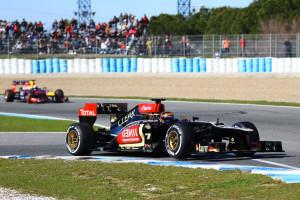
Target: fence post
(238,45)
(255,48)
(203,46)
(213,45)
(8,55)
(276,49)
(297,45)
(184,45)
(37,48)
(270,44)
(96,45)
(154,45)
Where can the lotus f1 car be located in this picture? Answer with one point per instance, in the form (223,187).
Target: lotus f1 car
(148,128)
(27,91)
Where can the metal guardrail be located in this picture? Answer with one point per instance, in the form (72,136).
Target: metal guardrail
(258,45)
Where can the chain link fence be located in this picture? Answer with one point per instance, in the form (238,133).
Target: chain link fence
(259,45)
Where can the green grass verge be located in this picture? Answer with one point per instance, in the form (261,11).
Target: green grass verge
(20,124)
(258,102)
(96,180)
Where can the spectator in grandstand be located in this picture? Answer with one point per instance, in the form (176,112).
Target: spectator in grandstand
(54,26)
(64,33)
(185,46)
(243,46)
(226,46)
(23,27)
(62,25)
(167,45)
(42,45)
(144,23)
(288,48)
(149,44)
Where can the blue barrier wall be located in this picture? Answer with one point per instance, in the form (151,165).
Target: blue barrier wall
(35,67)
(175,65)
(56,65)
(43,67)
(196,64)
(133,65)
(202,65)
(63,66)
(183,65)
(49,66)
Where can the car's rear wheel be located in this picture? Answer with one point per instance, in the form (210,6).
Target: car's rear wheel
(253,137)
(80,139)
(9,96)
(59,96)
(178,140)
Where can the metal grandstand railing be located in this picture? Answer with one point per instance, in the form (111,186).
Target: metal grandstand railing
(259,45)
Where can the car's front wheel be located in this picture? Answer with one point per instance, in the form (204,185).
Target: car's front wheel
(9,96)
(80,139)
(59,96)
(178,140)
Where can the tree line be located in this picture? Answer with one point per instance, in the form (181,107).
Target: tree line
(261,16)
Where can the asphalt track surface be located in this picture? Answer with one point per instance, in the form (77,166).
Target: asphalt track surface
(273,123)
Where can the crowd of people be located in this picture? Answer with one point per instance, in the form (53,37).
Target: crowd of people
(125,34)
(119,35)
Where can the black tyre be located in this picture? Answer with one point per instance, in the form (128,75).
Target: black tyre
(9,96)
(178,141)
(254,137)
(59,96)
(80,139)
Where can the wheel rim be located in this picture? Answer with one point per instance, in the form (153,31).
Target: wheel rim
(72,140)
(173,140)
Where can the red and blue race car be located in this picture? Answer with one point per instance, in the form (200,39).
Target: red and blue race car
(149,128)
(28,91)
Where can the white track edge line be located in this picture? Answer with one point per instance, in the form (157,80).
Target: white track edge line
(276,164)
(55,118)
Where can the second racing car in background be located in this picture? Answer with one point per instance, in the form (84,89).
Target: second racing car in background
(149,128)
(28,91)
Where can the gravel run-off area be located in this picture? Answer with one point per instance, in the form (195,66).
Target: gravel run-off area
(267,87)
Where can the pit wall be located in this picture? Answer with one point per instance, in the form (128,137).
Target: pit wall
(150,65)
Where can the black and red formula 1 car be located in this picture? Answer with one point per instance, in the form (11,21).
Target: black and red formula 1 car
(27,91)
(148,128)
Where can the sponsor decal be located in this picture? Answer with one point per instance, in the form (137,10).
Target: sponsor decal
(89,110)
(126,118)
(88,113)
(129,135)
(148,108)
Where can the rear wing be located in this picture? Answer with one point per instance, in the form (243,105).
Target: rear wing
(24,82)
(93,109)
(88,114)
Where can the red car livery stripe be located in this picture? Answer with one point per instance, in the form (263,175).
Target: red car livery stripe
(90,109)
(151,108)
(35,100)
(129,135)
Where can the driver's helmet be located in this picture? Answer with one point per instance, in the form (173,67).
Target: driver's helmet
(26,86)
(167,117)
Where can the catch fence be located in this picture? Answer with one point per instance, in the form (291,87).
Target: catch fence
(207,46)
